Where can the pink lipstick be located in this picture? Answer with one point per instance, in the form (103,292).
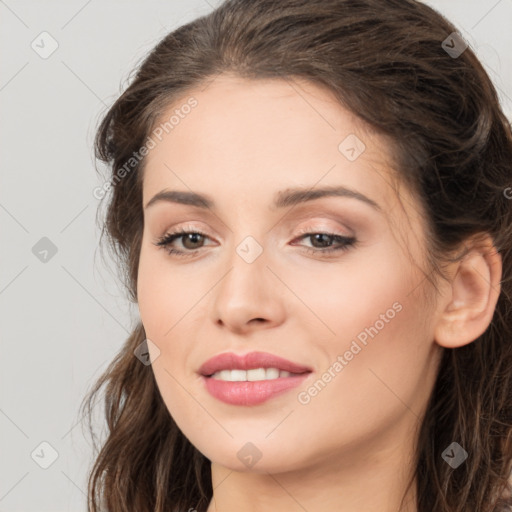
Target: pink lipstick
(250,379)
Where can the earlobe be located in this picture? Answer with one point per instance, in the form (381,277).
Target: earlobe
(471,297)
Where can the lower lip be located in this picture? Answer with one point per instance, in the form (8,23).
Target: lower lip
(251,393)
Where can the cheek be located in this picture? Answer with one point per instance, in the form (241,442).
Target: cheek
(380,368)
(165,293)
(374,321)
(344,298)
(164,297)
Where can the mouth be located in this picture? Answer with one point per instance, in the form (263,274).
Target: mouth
(252,375)
(250,379)
(252,363)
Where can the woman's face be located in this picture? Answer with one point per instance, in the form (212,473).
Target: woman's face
(259,278)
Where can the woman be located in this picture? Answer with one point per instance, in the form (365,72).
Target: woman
(310,206)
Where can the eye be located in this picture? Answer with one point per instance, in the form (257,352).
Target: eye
(192,241)
(324,240)
(187,237)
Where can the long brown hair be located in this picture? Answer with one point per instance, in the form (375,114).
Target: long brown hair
(386,62)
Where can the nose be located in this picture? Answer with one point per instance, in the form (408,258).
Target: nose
(249,296)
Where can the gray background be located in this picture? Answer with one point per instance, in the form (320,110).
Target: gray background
(64,319)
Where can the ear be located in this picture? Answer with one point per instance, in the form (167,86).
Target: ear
(471,296)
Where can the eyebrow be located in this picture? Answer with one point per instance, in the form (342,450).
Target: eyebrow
(284,198)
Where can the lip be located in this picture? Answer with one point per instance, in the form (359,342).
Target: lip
(232,361)
(250,392)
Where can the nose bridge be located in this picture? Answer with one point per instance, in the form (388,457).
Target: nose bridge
(247,261)
(248,232)
(246,292)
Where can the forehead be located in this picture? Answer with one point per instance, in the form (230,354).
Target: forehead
(247,139)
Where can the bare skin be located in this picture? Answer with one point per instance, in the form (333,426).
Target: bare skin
(348,446)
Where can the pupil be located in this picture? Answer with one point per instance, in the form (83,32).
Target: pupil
(319,235)
(194,240)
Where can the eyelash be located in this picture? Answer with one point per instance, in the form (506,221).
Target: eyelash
(165,241)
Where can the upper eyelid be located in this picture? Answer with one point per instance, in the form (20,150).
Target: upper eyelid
(182,231)
(346,231)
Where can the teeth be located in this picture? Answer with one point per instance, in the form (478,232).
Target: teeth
(250,375)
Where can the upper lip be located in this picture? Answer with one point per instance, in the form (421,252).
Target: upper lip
(232,361)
